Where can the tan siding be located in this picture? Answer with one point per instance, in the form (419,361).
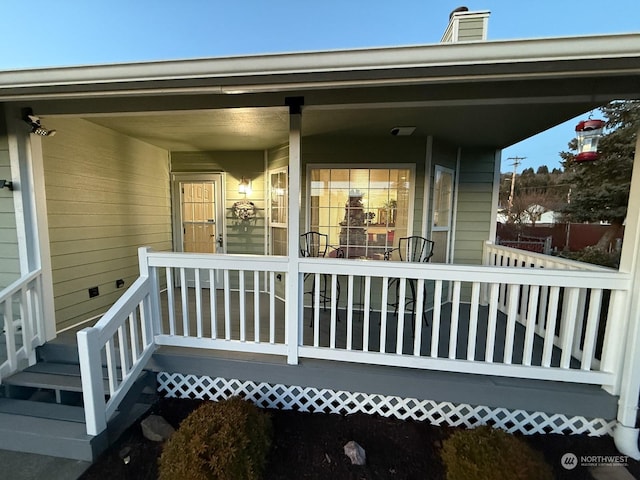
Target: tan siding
(279,157)
(9,260)
(107,195)
(241,238)
(474,204)
(470,29)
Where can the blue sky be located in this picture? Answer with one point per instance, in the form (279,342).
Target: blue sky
(41,33)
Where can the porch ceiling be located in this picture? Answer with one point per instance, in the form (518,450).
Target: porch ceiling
(261,128)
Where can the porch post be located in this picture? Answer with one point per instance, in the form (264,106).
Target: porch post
(628,368)
(294,298)
(27,171)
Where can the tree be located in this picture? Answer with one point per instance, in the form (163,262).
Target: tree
(600,189)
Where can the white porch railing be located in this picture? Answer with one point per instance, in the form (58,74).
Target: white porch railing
(23,323)
(123,340)
(588,306)
(487,320)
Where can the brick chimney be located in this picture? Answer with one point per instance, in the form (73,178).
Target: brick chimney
(466,26)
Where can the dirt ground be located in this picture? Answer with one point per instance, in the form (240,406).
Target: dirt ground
(310,446)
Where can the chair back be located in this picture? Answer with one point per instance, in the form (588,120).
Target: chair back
(415,249)
(313,244)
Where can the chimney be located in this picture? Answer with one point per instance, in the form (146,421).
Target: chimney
(466,26)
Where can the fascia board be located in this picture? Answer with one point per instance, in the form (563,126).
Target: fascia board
(362,64)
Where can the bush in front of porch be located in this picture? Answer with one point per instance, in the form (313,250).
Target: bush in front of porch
(225,440)
(485,453)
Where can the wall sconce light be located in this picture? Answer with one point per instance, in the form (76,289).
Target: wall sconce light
(244,186)
(6,184)
(34,122)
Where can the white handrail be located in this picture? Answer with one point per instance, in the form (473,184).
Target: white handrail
(123,340)
(25,322)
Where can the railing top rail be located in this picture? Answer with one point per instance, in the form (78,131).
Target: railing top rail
(18,284)
(229,261)
(610,280)
(111,320)
(569,264)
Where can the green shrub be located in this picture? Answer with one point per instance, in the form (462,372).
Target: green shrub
(225,440)
(485,453)
(596,256)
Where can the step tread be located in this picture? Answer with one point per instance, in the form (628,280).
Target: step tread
(52,411)
(72,369)
(51,381)
(43,427)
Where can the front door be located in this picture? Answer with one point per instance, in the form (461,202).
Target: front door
(199,223)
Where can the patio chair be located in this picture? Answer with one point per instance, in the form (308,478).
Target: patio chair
(413,249)
(315,244)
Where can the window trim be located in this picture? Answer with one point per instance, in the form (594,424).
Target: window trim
(368,166)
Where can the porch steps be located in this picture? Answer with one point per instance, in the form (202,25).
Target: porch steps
(41,408)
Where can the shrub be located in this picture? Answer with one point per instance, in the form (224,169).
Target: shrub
(597,256)
(225,440)
(485,453)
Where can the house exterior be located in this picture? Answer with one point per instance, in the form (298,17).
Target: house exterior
(135,221)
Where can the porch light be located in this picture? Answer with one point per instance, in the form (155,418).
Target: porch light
(244,186)
(588,133)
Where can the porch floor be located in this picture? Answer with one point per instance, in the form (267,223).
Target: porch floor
(570,399)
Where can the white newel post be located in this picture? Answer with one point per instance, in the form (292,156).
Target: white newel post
(92,386)
(152,273)
(293,304)
(625,434)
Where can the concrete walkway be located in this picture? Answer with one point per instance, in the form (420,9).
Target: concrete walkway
(29,466)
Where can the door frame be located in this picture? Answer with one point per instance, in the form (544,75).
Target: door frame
(176,201)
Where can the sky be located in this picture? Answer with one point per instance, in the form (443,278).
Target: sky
(42,33)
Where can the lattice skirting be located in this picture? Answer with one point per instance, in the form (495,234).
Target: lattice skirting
(310,399)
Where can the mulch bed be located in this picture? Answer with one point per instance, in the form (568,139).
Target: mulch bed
(310,446)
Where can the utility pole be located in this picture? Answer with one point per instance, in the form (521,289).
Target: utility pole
(516,164)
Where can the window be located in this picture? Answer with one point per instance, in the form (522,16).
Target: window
(442,210)
(278,208)
(362,210)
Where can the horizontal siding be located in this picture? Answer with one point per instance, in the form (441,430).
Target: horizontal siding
(475,192)
(244,238)
(107,195)
(279,157)
(9,259)
(470,29)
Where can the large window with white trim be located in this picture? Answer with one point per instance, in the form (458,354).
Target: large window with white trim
(362,210)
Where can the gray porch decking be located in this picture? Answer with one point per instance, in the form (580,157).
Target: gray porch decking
(570,399)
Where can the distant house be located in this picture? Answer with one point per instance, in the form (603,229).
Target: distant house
(162,223)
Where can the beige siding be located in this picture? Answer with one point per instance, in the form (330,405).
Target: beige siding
(475,193)
(9,260)
(470,29)
(241,238)
(278,157)
(107,195)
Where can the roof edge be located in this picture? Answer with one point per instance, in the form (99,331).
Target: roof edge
(369,59)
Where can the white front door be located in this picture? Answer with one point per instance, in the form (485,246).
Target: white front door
(199,222)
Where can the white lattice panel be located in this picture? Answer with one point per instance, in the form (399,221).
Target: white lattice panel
(308,399)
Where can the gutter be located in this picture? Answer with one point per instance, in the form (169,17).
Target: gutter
(357,65)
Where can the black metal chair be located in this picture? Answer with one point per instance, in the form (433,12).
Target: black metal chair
(315,244)
(413,249)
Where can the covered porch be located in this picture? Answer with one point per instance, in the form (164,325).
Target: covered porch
(494,317)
